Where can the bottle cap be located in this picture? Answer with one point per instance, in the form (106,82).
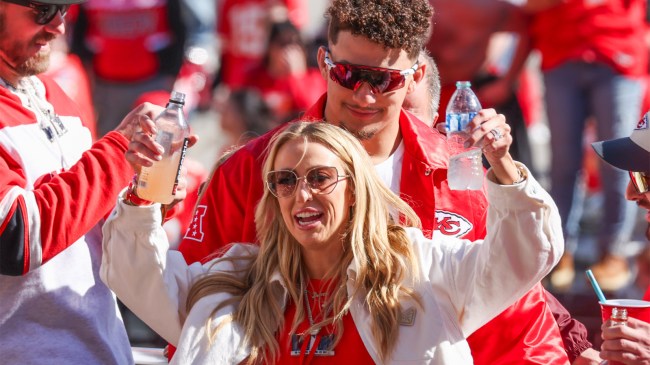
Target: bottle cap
(463,84)
(177,97)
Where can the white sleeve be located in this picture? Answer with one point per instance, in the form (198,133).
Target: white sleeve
(136,265)
(524,242)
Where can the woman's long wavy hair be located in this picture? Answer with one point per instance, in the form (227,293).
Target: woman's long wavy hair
(377,246)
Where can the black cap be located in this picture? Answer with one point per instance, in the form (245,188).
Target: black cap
(629,153)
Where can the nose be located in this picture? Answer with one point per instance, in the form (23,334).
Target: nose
(303,190)
(631,193)
(56,25)
(363,94)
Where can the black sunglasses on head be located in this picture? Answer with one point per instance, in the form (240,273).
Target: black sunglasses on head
(44,12)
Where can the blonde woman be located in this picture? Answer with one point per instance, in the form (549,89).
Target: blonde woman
(334,278)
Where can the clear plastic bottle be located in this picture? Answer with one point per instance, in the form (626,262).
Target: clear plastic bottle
(465,164)
(158,183)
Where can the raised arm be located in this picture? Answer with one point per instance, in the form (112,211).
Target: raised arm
(523,243)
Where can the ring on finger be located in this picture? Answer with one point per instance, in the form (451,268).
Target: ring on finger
(496,133)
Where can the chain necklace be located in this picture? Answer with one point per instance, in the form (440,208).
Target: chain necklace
(34,98)
(301,346)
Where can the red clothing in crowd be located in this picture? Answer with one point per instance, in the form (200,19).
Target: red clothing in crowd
(608,31)
(243,29)
(129,41)
(287,96)
(526,333)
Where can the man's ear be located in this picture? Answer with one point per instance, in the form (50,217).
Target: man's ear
(320,58)
(418,77)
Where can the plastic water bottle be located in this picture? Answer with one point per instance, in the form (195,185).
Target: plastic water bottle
(465,164)
(158,183)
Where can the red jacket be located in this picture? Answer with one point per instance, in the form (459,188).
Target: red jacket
(526,333)
(45,210)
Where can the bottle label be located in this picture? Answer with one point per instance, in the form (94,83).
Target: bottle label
(180,165)
(456,122)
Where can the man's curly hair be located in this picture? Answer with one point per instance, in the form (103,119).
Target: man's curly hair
(399,24)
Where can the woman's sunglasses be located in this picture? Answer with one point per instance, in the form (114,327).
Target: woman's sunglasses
(381,80)
(641,181)
(321,180)
(44,12)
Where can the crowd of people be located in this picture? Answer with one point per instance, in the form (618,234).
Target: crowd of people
(327,232)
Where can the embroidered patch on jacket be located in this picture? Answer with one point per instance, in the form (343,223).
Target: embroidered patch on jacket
(195,230)
(407,317)
(452,224)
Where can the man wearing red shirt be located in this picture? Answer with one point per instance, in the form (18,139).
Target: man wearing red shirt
(409,155)
(594,59)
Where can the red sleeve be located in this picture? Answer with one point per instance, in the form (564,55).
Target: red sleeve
(574,334)
(39,223)
(226,213)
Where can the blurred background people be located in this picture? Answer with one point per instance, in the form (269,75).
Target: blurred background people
(593,61)
(284,79)
(244,115)
(243,32)
(129,48)
(463,32)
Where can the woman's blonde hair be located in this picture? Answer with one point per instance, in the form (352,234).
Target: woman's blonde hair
(376,245)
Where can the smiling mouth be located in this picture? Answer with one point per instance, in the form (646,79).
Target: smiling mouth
(304,219)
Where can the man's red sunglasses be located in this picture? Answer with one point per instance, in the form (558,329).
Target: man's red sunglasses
(44,12)
(381,80)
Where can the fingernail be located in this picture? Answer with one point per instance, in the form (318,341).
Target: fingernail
(158,157)
(467,144)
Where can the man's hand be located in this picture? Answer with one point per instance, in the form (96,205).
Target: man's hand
(142,115)
(629,344)
(587,357)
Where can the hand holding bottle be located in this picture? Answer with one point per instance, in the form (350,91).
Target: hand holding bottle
(490,131)
(166,139)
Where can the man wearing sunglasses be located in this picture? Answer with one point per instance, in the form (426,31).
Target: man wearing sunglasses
(370,64)
(630,344)
(54,188)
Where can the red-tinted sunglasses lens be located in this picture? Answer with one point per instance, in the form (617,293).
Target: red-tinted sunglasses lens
(641,181)
(380,80)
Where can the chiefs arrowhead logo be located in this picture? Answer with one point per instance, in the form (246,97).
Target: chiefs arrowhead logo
(195,230)
(452,224)
(643,123)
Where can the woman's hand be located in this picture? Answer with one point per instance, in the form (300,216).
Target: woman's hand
(490,131)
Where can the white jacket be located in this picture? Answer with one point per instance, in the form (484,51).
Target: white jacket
(463,284)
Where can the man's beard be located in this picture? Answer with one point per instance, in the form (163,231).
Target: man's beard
(34,65)
(361,135)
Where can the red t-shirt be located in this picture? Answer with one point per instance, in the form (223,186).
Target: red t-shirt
(607,31)
(350,350)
